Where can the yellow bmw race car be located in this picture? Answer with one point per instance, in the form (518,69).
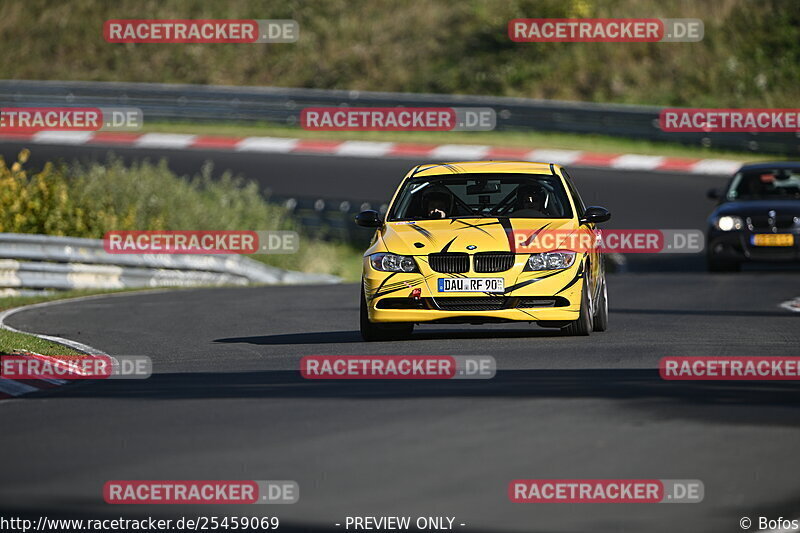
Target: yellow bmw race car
(481,242)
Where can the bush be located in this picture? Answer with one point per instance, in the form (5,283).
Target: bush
(88,200)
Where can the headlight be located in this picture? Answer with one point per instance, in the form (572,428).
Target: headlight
(550,261)
(386,262)
(728,223)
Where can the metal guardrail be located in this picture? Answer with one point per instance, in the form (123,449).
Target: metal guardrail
(330,219)
(50,262)
(283,106)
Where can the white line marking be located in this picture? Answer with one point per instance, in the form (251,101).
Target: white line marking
(561,157)
(637,162)
(164,140)
(266,144)
(364,149)
(62,137)
(715,166)
(459,151)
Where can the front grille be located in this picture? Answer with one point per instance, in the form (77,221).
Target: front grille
(471,304)
(449,263)
(761,222)
(493,261)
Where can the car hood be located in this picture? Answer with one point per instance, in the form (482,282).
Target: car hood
(758,207)
(469,235)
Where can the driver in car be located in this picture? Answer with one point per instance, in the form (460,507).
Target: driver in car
(437,204)
(531,202)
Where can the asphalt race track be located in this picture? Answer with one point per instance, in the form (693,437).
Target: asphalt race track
(227,401)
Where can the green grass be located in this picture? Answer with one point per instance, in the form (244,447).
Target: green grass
(339,259)
(749,56)
(11,341)
(507,139)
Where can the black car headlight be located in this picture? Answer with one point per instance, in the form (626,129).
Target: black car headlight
(386,262)
(729,223)
(550,260)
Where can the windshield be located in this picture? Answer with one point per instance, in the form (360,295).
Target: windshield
(482,195)
(778,183)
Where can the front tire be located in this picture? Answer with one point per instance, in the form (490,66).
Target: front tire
(373,332)
(582,326)
(600,322)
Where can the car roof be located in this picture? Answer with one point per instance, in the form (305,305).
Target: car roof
(482,167)
(770,164)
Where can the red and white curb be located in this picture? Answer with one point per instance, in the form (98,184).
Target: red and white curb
(792,305)
(13,388)
(370,149)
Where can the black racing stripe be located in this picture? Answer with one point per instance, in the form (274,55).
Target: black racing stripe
(520,285)
(567,237)
(416,170)
(402,284)
(448,167)
(488,223)
(407,285)
(387,278)
(423,231)
(456,169)
(577,277)
(447,246)
(509,229)
(528,282)
(467,224)
(534,235)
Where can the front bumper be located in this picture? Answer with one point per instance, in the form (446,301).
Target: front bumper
(549,295)
(738,246)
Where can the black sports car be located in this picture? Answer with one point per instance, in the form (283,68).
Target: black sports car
(757,218)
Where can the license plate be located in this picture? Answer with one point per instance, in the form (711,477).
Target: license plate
(767,239)
(471,285)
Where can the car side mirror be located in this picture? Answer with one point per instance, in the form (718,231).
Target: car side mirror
(369,219)
(713,194)
(595,215)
